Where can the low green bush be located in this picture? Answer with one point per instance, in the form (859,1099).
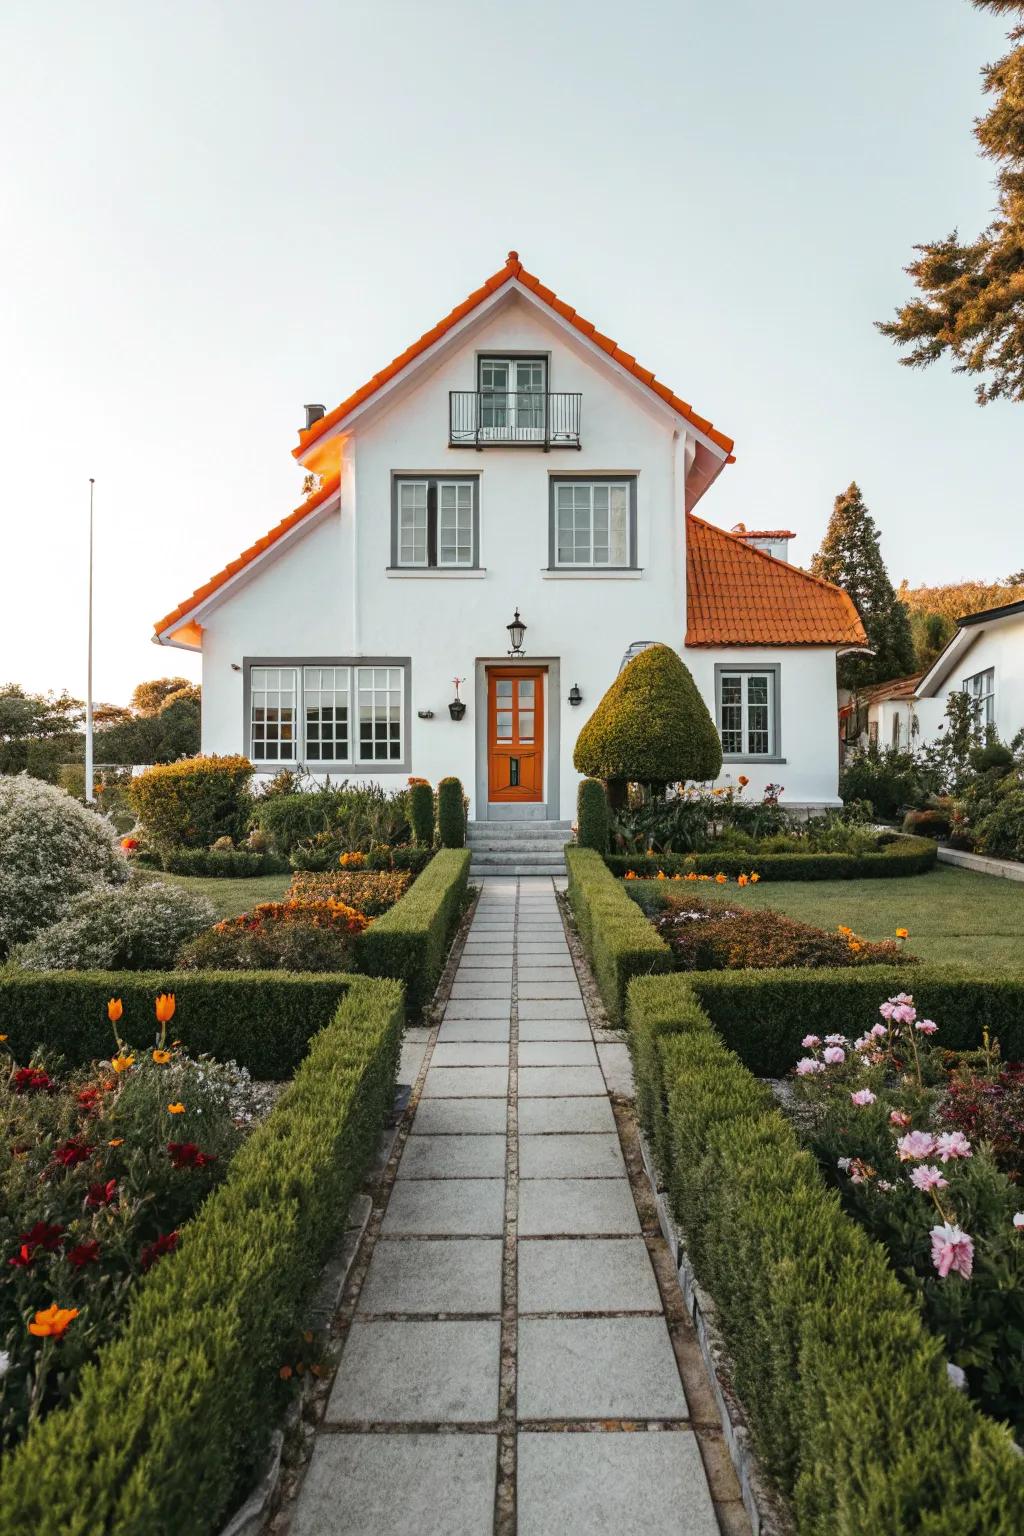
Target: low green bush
(170,1421)
(903,856)
(421,812)
(930,822)
(846,1391)
(451,814)
(189,804)
(592,815)
(412,940)
(619,941)
(261,1019)
(133,927)
(890,779)
(223,864)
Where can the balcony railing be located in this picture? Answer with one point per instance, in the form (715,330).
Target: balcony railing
(518,418)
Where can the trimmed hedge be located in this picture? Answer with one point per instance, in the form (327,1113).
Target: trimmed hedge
(903,856)
(261,1019)
(592,815)
(192,802)
(411,941)
(224,864)
(171,1419)
(845,1389)
(619,941)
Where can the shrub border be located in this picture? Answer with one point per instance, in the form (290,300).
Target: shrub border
(828,1350)
(411,940)
(172,1416)
(619,940)
(905,856)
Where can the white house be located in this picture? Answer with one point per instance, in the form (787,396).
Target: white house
(512,462)
(985,658)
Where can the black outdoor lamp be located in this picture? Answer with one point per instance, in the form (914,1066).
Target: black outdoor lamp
(575,697)
(516,632)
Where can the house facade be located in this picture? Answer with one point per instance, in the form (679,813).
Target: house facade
(984,659)
(512,467)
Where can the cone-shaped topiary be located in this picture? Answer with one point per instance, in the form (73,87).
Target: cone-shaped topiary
(651,727)
(592,815)
(421,812)
(451,813)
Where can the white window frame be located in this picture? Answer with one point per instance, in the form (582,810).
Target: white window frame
(413,484)
(771,673)
(511,427)
(611,483)
(981,687)
(352,683)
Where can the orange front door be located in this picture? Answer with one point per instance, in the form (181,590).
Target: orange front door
(515,733)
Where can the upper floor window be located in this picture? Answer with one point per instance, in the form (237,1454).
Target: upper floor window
(349,712)
(512,396)
(747,705)
(593,523)
(982,689)
(435,522)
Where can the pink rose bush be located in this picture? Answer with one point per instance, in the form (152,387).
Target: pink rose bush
(872,1110)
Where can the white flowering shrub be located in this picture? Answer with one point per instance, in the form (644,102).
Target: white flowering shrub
(133,927)
(51,848)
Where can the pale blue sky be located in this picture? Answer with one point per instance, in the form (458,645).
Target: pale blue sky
(213,213)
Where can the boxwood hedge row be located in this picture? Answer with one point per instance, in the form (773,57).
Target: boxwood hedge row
(619,941)
(903,856)
(846,1390)
(170,1420)
(411,941)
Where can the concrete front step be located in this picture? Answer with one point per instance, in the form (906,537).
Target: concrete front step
(516,829)
(511,871)
(549,845)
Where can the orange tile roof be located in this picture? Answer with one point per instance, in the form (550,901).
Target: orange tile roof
(513,269)
(286,524)
(896,688)
(762,533)
(738,595)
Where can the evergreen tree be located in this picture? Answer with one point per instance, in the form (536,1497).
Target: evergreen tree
(850,556)
(972,296)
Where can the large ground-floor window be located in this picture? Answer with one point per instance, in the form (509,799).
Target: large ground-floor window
(336,712)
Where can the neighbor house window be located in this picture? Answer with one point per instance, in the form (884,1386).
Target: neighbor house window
(593,523)
(345,712)
(896,730)
(435,522)
(747,706)
(982,689)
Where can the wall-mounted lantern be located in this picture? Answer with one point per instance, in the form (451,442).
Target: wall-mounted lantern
(575,697)
(457,708)
(516,633)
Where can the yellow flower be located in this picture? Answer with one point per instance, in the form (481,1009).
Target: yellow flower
(165,1008)
(115,1008)
(903,933)
(121,1062)
(161,1057)
(754,878)
(175,1109)
(52,1321)
(118,1141)
(662,875)
(2,1039)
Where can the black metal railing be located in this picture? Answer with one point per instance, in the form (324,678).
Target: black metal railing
(483,417)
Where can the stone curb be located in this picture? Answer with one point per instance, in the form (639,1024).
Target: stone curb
(1002,869)
(765,1511)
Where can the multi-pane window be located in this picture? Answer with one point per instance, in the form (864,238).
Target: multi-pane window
(512,397)
(272,717)
(746,713)
(349,714)
(592,523)
(982,689)
(435,522)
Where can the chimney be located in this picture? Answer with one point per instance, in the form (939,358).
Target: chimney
(314,413)
(771,541)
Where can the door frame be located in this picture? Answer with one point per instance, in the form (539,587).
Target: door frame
(552,735)
(516,673)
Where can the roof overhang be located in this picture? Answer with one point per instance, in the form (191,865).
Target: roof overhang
(969,629)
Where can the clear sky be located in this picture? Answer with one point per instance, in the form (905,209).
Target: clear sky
(214,212)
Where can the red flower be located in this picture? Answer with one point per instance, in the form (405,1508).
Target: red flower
(185,1154)
(165,1243)
(88,1097)
(44,1237)
(32,1080)
(70,1153)
(23,1258)
(101,1194)
(84,1253)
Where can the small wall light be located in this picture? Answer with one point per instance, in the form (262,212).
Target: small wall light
(516,632)
(575,697)
(457,707)
(235,667)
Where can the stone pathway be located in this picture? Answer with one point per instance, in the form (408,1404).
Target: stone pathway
(509,1367)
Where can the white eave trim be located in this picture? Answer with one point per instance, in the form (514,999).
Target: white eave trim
(946,660)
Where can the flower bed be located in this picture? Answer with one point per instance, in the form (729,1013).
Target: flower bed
(170,1423)
(297,934)
(846,1391)
(371,892)
(102,1168)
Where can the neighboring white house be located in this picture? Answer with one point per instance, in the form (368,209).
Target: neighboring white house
(890,715)
(985,658)
(511,464)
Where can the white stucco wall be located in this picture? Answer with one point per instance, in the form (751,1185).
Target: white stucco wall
(1001,647)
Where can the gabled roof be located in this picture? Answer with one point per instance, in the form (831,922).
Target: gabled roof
(512,271)
(738,595)
(968,629)
(278,532)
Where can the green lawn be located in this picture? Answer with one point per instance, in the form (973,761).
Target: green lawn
(954,916)
(229,897)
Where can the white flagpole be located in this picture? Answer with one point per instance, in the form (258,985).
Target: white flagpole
(89,794)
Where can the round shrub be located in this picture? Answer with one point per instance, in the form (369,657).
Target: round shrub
(421,812)
(135,927)
(51,848)
(451,813)
(651,727)
(592,815)
(192,803)
(300,934)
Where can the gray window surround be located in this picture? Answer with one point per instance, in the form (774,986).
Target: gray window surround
(434,476)
(590,478)
(354,765)
(774,668)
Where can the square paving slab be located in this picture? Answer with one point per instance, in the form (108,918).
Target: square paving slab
(586,1274)
(412,1372)
(558,1053)
(541,1116)
(399,1485)
(597,1368)
(551,1008)
(470,1053)
(570,987)
(460,1117)
(422,1275)
(474,1029)
(481,989)
(613,1485)
(576,1207)
(478,1008)
(553,1029)
(470,1082)
(557,1082)
(569,1157)
(446,1207)
(453,1157)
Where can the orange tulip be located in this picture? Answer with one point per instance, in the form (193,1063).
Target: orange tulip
(52,1321)
(115,1008)
(165,1008)
(903,933)
(721,879)
(741,879)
